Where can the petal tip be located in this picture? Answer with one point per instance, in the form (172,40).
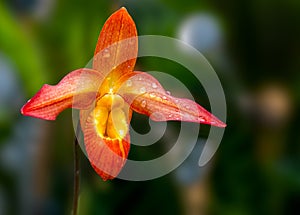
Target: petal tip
(219,124)
(123,9)
(27,110)
(214,121)
(24,109)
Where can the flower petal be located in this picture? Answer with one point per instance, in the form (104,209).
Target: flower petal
(117,45)
(146,96)
(106,155)
(78,89)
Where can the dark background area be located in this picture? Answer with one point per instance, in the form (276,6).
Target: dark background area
(253,46)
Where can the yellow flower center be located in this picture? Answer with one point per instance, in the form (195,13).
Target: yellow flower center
(110,116)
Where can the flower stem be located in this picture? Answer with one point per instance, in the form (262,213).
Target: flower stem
(76,171)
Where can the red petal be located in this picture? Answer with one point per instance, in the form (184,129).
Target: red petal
(117,45)
(78,89)
(106,155)
(146,96)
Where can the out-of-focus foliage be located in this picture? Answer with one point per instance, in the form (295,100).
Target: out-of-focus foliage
(254,47)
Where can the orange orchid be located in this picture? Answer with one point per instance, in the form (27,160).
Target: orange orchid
(107,94)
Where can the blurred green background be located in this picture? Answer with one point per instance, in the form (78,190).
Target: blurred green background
(254,46)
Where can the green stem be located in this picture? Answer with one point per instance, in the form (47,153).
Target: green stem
(76,171)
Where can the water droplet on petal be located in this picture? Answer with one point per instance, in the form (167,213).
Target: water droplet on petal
(176,101)
(154,85)
(164,97)
(187,107)
(129,83)
(142,90)
(143,103)
(158,98)
(168,92)
(140,78)
(122,133)
(170,115)
(201,119)
(131,41)
(152,95)
(106,53)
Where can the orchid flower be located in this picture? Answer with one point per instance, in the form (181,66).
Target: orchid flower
(107,94)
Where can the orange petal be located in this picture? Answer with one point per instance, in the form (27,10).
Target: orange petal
(117,45)
(107,156)
(78,89)
(146,96)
